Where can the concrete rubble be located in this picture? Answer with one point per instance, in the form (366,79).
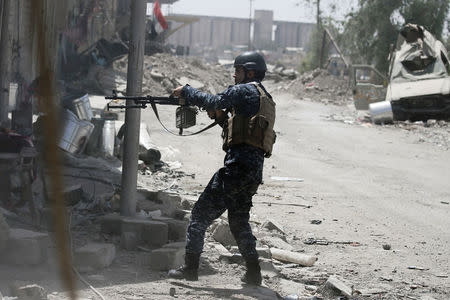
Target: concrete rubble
(155,238)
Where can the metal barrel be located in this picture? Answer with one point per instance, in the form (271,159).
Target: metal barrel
(75,133)
(108,137)
(381,112)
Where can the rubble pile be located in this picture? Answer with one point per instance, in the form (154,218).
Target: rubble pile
(319,86)
(432,131)
(164,72)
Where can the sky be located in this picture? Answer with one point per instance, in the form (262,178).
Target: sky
(284,10)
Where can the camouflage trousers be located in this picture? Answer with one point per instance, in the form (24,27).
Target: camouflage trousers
(231,188)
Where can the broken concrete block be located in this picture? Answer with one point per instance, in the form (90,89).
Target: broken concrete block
(223,235)
(4,232)
(335,287)
(168,257)
(263,252)
(94,256)
(73,195)
(25,247)
(152,232)
(129,240)
(177,228)
(171,202)
(111,224)
(267,268)
(29,292)
(275,242)
(224,254)
(272,225)
(293,257)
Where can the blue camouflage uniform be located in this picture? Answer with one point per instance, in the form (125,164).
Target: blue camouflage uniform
(232,186)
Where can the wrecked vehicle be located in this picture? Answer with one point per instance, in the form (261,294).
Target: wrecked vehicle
(369,86)
(419,81)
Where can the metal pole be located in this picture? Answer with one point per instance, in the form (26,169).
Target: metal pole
(133,115)
(5,57)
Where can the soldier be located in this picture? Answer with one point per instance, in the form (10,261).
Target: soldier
(248,137)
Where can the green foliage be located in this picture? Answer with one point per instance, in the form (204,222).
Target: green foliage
(371,30)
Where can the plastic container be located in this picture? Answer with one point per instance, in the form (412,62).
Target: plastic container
(381,112)
(108,137)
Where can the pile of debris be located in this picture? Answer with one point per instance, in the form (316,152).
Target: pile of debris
(163,72)
(320,86)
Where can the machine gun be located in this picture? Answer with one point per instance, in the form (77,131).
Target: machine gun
(185,115)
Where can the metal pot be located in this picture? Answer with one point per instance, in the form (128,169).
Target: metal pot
(75,133)
(80,106)
(381,112)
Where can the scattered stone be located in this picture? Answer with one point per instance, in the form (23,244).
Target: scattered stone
(25,247)
(268,270)
(168,257)
(29,292)
(94,256)
(275,242)
(334,287)
(223,235)
(387,247)
(272,225)
(172,291)
(171,202)
(222,251)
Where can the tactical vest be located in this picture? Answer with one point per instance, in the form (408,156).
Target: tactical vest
(256,130)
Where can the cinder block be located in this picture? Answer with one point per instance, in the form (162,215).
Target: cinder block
(25,247)
(177,228)
(111,224)
(151,232)
(164,259)
(155,233)
(94,256)
(129,240)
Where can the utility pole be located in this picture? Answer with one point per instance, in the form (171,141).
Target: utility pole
(133,115)
(250,27)
(5,57)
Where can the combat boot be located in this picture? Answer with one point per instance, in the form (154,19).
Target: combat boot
(189,270)
(253,273)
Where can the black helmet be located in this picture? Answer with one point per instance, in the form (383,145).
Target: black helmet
(251,61)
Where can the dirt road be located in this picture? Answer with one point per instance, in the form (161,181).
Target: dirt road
(368,185)
(355,187)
